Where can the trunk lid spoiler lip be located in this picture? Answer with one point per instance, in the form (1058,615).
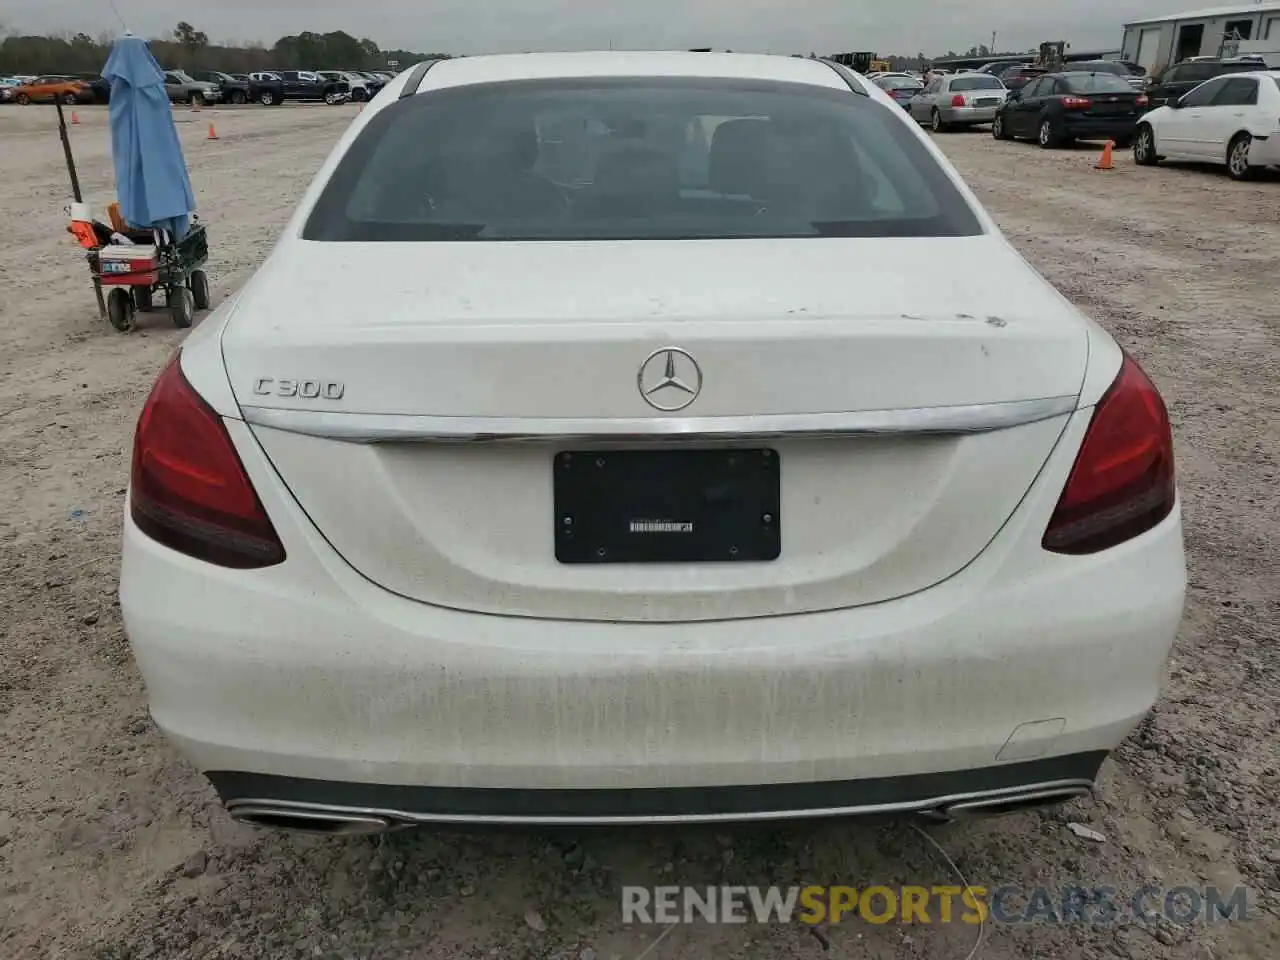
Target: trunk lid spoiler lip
(403,428)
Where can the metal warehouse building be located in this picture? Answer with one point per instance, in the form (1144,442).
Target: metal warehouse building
(1215,32)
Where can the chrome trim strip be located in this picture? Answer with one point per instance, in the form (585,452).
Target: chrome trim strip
(918,806)
(383,428)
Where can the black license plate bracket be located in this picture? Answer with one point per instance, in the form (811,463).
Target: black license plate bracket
(667,506)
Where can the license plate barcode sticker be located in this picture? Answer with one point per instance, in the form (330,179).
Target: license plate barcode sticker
(667,506)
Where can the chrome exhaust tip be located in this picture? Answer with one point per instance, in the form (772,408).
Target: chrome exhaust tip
(312,822)
(1012,802)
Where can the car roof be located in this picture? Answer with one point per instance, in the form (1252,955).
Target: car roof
(463,71)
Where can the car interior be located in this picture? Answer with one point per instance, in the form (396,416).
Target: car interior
(559,172)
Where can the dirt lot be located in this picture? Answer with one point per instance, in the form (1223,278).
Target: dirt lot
(111,847)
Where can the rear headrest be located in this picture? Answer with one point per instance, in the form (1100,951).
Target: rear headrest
(741,152)
(511,147)
(635,180)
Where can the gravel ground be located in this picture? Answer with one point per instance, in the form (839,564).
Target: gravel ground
(112,847)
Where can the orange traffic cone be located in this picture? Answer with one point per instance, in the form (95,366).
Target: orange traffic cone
(74,117)
(213,134)
(1105,162)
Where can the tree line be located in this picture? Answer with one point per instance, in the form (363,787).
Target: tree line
(189,49)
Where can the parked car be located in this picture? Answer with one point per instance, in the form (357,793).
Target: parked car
(899,86)
(276,86)
(357,86)
(309,85)
(1130,72)
(1232,120)
(1060,107)
(47,89)
(7,86)
(372,80)
(958,100)
(266,88)
(184,88)
(98,85)
(1016,76)
(233,89)
(858,563)
(1182,78)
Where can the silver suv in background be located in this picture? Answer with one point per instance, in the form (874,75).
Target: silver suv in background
(360,90)
(184,88)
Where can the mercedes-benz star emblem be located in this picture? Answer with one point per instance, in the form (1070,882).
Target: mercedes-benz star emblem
(669,379)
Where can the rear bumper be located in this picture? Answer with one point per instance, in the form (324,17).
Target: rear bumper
(1094,128)
(1054,778)
(962,115)
(308,671)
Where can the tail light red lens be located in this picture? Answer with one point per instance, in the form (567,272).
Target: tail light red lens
(1122,483)
(957,101)
(188,488)
(1076,103)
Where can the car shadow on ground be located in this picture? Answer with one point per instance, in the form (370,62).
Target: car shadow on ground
(562,890)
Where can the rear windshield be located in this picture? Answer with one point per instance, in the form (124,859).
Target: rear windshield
(1097,83)
(976,83)
(637,159)
(1195,72)
(1103,66)
(901,83)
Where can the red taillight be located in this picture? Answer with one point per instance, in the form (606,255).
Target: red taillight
(1142,100)
(1122,482)
(957,101)
(188,488)
(1076,103)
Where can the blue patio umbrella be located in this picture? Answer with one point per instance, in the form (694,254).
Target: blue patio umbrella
(152,185)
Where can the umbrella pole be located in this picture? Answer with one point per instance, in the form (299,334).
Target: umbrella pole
(75,192)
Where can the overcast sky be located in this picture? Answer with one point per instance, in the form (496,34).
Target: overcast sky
(477,26)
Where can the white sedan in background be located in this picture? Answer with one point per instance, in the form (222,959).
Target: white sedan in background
(505,492)
(1233,120)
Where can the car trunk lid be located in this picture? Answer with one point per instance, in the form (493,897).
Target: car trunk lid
(369,373)
(1111,104)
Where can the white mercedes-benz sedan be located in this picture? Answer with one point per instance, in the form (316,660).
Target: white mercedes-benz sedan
(592,447)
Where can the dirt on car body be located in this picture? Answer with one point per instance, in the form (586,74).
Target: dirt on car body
(114,848)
